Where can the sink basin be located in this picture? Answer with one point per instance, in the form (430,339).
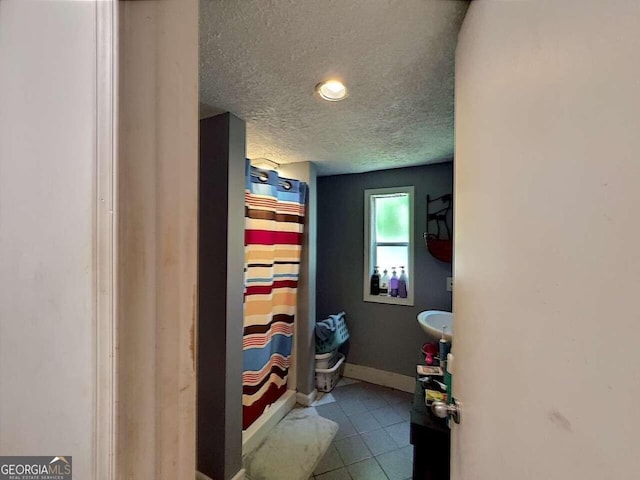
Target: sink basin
(432,322)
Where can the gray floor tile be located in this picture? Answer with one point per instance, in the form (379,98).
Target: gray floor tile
(347,392)
(362,387)
(407,452)
(372,387)
(345,427)
(364,422)
(362,450)
(400,433)
(394,397)
(344,381)
(359,392)
(397,465)
(329,410)
(352,449)
(403,410)
(374,401)
(364,391)
(386,416)
(352,406)
(340,474)
(366,470)
(330,461)
(379,441)
(404,404)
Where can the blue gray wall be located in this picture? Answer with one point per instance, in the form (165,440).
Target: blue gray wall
(385,337)
(220,295)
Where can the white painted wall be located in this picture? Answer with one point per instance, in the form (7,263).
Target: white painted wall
(302,376)
(47,188)
(547,265)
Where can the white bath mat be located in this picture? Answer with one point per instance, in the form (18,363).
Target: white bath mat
(293,448)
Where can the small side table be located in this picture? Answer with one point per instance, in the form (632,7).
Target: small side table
(431,440)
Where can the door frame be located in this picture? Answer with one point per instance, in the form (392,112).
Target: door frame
(105,246)
(145,239)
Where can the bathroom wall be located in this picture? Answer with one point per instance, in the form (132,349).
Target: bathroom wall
(304,373)
(385,337)
(220,295)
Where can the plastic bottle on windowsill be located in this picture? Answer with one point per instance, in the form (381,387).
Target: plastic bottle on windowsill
(375,282)
(393,283)
(402,284)
(384,283)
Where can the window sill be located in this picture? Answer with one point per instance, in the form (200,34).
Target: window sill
(408,302)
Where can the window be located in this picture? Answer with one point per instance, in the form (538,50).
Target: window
(388,242)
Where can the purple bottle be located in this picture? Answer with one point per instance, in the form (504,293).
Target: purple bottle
(393,283)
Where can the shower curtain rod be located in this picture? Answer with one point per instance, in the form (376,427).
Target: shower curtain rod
(263,160)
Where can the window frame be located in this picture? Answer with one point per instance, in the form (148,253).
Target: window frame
(370,245)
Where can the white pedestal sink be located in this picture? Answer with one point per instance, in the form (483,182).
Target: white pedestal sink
(432,322)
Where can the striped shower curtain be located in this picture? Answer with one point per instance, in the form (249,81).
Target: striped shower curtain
(274,220)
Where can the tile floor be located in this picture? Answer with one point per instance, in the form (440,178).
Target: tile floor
(372,442)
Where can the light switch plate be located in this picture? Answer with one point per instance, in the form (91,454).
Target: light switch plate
(449,284)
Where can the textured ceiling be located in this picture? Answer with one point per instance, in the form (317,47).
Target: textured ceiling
(261,59)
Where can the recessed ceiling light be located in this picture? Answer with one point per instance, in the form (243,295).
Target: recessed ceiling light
(332,90)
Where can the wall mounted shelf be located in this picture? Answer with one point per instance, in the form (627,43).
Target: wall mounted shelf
(438,238)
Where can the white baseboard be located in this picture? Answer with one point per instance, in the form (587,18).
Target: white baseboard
(306,399)
(380,377)
(257,432)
